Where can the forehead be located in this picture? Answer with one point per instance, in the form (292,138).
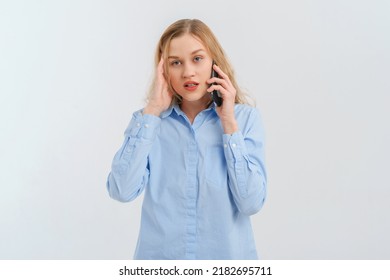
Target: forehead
(185,45)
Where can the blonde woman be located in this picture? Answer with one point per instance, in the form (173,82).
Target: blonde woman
(201,166)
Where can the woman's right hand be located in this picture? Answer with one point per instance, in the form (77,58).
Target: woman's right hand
(161,98)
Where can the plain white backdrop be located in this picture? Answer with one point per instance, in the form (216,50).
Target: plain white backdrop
(73,72)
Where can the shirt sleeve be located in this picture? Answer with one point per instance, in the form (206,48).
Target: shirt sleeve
(129,170)
(244,153)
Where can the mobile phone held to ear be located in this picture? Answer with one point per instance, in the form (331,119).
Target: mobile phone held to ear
(216,95)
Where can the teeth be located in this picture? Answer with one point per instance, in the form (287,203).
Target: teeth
(190,85)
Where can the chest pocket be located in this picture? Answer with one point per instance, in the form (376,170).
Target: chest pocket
(216,169)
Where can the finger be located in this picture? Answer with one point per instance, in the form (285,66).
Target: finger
(215,87)
(160,66)
(160,72)
(222,85)
(223,77)
(221,74)
(219,81)
(224,92)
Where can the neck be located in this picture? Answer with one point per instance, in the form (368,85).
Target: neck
(193,108)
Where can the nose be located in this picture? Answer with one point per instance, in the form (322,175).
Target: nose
(188,71)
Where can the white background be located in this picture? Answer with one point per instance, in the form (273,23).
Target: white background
(73,72)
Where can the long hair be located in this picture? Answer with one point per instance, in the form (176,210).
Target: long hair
(202,32)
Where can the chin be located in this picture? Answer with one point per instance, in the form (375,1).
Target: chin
(194,97)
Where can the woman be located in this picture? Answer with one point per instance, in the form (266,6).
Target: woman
(201,165)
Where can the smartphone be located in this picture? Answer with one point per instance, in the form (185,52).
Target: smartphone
(216,95)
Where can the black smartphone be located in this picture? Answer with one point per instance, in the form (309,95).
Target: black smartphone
(216,95)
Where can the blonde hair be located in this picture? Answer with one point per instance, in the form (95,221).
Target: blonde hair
(202,32)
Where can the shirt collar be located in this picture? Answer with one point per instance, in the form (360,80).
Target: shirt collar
(167,112)
(178,111)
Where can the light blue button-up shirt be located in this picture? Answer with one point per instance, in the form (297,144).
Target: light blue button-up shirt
(201,185)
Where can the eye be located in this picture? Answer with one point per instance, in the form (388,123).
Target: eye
(175,62)
(198,58)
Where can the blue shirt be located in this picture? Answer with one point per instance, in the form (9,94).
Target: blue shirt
(201,185)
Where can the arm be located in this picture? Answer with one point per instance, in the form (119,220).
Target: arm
(129,172)
(243,149)
(246,170)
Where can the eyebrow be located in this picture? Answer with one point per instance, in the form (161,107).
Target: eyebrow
(194,52)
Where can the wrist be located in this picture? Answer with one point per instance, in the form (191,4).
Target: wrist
(230,127)
(149,110)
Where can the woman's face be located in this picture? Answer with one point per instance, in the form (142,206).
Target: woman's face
(189,68)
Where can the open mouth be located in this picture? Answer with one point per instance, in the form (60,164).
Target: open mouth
(191,85)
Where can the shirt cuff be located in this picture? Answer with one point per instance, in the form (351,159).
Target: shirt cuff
(143,126)
(234,145)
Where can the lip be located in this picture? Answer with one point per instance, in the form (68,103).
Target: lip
(191,85)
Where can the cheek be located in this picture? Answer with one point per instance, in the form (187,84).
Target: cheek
(174,80)
(206,71)
(173,76)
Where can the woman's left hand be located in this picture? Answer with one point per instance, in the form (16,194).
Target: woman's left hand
(228,94)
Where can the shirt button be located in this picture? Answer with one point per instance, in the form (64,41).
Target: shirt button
(146,125)
(225,145)
(138,124)
(234,145)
